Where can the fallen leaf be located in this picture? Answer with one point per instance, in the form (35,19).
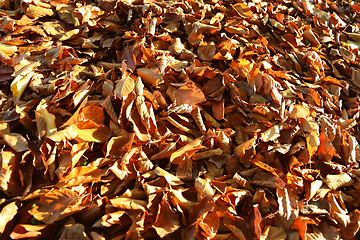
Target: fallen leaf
(16,141)
(7,214)
(338,180)
(167,221)
(66,201)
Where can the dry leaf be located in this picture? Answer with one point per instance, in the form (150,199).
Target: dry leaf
(7,214)
(167,221)
(16,141)
(66,201)
(339,180)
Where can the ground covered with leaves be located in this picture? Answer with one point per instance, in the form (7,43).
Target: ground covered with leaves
(138,119)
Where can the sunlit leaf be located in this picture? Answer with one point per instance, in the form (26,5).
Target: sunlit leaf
(7,214)
(16,141)
(22,79)
(66,201)
(167,221)
(124,86)
(189,148)
(339,180)
(26,231)
(151,76)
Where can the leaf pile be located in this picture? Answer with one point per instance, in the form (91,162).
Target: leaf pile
(141,119)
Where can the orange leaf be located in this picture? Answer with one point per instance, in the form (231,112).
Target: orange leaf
(56,205)
(7,214)
(167,221)
(312,143)
(27,231)
(151,76)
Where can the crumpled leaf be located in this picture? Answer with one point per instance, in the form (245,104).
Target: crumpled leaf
(287,210)
(76,231)
(189,148)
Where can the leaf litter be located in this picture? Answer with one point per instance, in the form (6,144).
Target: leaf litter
(179,119)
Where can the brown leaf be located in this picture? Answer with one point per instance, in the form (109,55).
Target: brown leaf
(187,94)
(167,220)
(124,86)
(151,76)
(128,203)
(287,207)
(75,231)
(120,144)
(189,148)
(204,188)
(8,176)
(271,232)
(16,141)
(66,201)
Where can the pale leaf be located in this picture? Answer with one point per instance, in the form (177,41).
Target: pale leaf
(340,180)
(124,86)
(16,141)
(271,134)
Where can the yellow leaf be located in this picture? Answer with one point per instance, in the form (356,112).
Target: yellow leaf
(74,33)
(68,133)
(22,79)
(128,203)
(271,134)
(27,231)
(6,51)
(49,120)
(33,11)
(314,187)
(92,132)
(8,166)
(312,143)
